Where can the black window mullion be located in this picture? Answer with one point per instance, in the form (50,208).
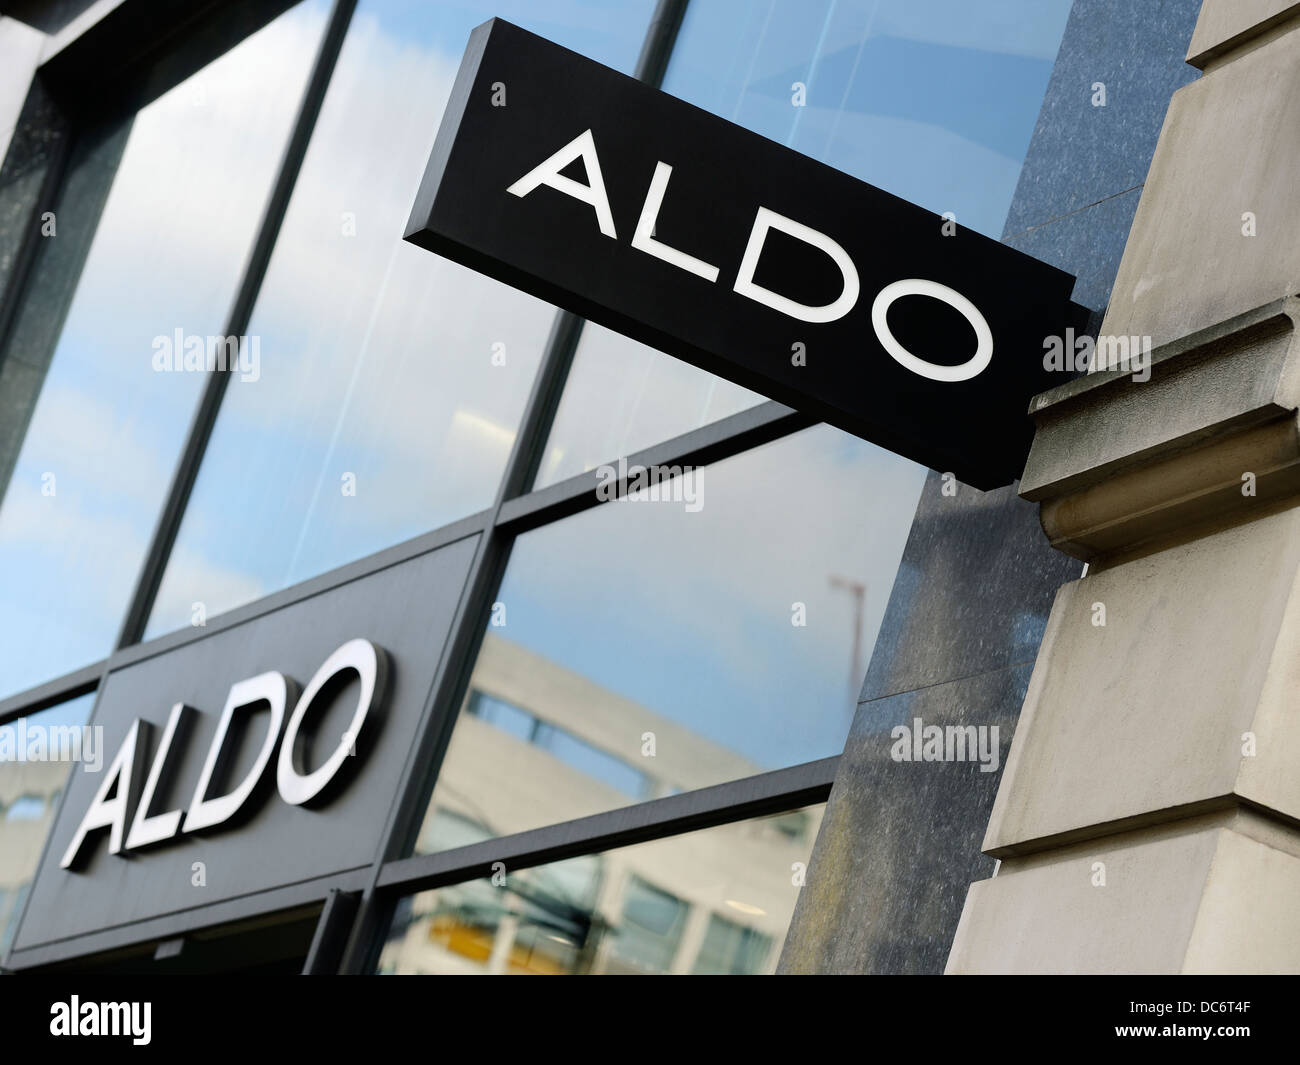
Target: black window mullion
(775,792)
(718,440)
(52,692)
(205,415)
(486,572)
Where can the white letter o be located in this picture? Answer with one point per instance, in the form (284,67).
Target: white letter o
(916,286)
(371,664)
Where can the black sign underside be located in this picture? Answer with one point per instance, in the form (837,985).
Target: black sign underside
(519,99)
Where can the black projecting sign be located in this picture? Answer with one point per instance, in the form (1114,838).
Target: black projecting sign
(646,214)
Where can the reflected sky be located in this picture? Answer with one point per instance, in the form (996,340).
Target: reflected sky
(690,614)
(932,100)
(640,615)
(392,380)
(380,362)
(622,396)
(175,230)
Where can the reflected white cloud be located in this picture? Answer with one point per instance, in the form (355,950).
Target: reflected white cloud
(622,396)
(379,359)
(173,234)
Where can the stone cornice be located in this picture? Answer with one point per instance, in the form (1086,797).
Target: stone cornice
(1212,437)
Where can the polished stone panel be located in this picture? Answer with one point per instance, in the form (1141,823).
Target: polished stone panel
(1081,154)
(32,148)
(56,268)
(30,151)
(973,591)
(899,844)
(1087,243)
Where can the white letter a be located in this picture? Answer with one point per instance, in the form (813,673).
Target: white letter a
(548,173)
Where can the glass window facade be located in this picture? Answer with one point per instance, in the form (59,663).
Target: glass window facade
(714,901)
(176,226)
(731,949)
(392,381)
(700,635)
(623,396)
(681,647)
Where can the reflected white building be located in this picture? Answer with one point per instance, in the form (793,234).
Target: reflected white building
(539,744)
(29,795)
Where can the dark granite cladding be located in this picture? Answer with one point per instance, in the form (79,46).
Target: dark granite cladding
(50,284)
(25,174)
(1081,154)
(40,131)
(972,594)
(900,842)
(1088,243)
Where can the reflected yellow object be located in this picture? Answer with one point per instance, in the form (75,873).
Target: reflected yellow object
(475,942)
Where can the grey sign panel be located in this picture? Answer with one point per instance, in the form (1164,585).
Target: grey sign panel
(405,609)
